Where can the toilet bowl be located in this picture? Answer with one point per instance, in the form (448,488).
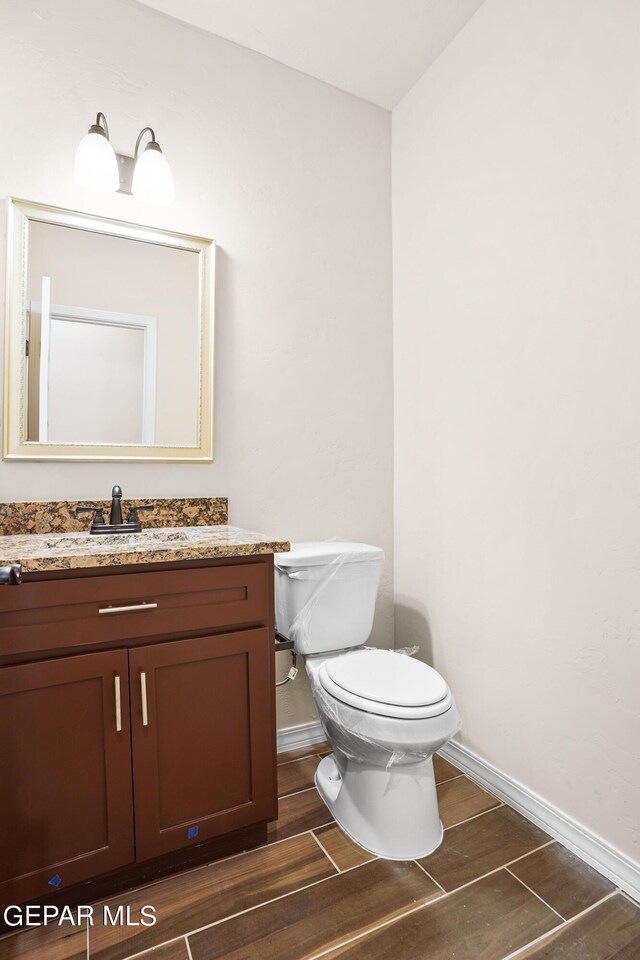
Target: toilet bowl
(384,714)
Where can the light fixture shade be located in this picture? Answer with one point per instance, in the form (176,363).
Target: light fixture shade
(96,167)
(152,177)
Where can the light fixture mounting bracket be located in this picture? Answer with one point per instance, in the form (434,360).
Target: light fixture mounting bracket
(125,171)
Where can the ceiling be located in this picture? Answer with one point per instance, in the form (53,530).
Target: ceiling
(375,49)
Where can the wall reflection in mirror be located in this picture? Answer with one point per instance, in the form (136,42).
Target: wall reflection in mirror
(114,340)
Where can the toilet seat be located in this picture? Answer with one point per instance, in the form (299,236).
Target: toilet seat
(385,683)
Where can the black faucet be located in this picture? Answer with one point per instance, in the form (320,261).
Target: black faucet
(115,517)
(115,524)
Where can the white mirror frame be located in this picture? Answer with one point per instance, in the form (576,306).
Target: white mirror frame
(16,446)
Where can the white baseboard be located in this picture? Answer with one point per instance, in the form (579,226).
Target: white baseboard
(290,738)
(621,870)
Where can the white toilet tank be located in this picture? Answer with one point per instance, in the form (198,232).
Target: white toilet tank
(326,593)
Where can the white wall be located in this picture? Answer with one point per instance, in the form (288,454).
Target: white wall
(516,198)
(292,178)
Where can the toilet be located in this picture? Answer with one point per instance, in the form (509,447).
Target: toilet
(384,714)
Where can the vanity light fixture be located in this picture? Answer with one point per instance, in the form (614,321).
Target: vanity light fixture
(97,166)
(152,177)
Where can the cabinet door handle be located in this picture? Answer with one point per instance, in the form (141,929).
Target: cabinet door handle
(143,694)
(130,609)
(116,684)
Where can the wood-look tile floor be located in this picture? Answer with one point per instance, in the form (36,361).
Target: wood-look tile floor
(498,888)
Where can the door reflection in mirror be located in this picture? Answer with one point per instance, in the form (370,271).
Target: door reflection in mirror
(110,358)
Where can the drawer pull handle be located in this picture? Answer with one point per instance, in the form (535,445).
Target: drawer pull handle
(130,609)
(116,684)
(143,694)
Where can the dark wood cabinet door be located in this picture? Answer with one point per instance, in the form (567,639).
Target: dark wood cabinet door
(66,808)
(203,738)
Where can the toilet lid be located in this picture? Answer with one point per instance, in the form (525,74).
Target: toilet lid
(387,677)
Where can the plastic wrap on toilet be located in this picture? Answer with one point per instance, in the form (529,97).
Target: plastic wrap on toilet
(346,729)
(317,579)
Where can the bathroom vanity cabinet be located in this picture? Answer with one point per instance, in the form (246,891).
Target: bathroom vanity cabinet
(143,696)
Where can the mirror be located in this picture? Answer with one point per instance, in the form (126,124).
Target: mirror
(110,340)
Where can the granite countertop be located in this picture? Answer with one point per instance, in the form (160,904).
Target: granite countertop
(67,551)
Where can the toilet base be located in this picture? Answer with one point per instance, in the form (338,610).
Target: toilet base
(392,813)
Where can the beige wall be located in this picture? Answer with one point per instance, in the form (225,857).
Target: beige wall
(292,178)
(516,197)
